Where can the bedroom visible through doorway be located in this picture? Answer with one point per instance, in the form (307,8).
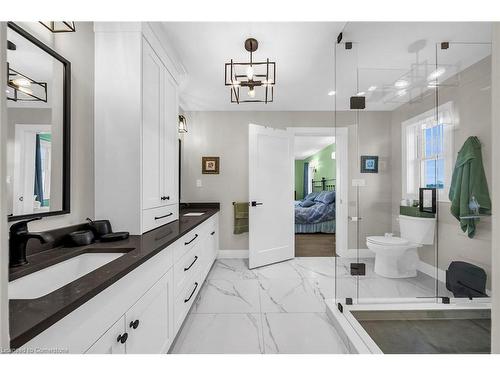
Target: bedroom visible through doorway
(315,185)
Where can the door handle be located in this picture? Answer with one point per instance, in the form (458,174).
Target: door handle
(191,295)
(254,203)
(355,218)
(164,216)
(194,238)
(191,265)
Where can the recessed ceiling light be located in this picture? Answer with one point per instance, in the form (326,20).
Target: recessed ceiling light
(372,88)
(361,93)
(331,93)
(435,74)
(401,83)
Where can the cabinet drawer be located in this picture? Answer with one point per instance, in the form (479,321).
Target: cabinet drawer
(184,300)
(188,266)
(189,240)
(156,217)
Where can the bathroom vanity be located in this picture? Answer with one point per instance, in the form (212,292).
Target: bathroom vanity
(130,296)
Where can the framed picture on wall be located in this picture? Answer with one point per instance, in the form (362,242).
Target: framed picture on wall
(369,164)
(210,165)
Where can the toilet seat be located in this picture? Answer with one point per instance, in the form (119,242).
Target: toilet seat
(387,241)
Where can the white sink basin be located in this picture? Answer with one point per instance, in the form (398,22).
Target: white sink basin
(54,277)
(194,214)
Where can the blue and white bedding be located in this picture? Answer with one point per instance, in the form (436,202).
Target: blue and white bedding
(322,209)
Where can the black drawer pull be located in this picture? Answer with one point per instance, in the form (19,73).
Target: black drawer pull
(212,233)
(165,198)
(122,338)
(191,265)
(163,217)
(134,324)
(194,290)
(195,237)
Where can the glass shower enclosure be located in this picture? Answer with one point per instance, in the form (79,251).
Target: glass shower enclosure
(406,102)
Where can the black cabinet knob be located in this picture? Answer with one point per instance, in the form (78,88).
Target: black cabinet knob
(167,197)
(122,338)
(134,324)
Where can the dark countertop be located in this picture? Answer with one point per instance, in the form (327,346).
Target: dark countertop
(30,317)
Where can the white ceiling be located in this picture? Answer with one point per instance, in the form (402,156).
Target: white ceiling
(307,145)
(305,60)
(303,52)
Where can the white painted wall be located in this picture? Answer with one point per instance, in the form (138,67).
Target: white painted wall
(78,48)
(225,134)
(495,267)
(4,249)
(472,104)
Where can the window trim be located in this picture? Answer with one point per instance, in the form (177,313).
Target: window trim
(445,113)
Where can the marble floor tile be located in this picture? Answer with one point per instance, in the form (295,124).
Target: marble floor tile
(228,296)
(316,267)
(220,334)
(289,295)
(283,270)
(324,287)
(231,269)
(300,333)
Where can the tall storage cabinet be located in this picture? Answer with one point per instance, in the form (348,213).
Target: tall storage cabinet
(136,112)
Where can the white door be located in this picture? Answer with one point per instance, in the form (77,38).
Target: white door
(152,129)
(149,322)
(271,187)
(112,342)
(171,151)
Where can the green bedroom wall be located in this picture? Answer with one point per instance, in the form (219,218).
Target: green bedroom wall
(326,167)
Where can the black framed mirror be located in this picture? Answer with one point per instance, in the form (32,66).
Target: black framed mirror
(38,119)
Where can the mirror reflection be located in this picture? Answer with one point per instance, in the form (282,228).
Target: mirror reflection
(35,120)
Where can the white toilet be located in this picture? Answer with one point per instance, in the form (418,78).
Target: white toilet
(397,257)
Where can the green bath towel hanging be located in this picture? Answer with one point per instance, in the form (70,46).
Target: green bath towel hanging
(468,181)
(240,217)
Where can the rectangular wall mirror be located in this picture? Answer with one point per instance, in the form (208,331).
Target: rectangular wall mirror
(38,119)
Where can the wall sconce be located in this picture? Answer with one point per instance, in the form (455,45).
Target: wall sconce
(60,26)
(182,124)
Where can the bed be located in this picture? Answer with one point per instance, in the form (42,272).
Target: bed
(316,212)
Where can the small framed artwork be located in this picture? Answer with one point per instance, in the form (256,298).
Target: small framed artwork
(369,164)
(210,165)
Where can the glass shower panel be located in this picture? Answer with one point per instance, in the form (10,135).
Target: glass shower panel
(463,84)
(346,286)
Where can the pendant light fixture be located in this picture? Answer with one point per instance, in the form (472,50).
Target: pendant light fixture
(253,81)
(60,26)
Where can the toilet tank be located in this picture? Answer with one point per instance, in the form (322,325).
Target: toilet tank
(419,230)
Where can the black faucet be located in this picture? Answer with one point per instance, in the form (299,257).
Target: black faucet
(18,239)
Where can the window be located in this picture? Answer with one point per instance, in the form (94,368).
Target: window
(428,155)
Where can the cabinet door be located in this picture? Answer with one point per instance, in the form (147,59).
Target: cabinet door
(171,140)
(113,341)
(153,136)
(149,322)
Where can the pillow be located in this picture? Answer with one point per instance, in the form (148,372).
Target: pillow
(311,196)
(307,203)
(325,197)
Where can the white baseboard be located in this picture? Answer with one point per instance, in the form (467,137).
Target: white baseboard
(354,253)
(240,254)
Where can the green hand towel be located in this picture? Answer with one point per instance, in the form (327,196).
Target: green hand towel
(469,180)
(240,217)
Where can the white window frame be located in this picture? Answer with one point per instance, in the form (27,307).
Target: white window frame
(412,150)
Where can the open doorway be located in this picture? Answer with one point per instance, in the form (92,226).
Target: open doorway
(314,192)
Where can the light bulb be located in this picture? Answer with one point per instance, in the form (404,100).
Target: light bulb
(20,81)
(250,72)
(26,90)
(251,92)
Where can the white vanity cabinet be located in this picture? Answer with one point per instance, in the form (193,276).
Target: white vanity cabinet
(147,327)
(143,311)
(136,121)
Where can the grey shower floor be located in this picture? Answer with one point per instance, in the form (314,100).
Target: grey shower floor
(431,331)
